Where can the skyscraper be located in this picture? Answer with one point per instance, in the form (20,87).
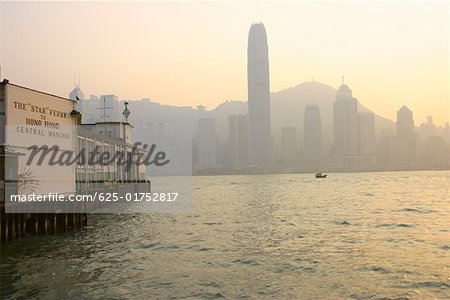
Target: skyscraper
(258,96)
(238,140)
(405,123)
(289,151)
(108,109)
(312,135)
(345,122)
(403,151)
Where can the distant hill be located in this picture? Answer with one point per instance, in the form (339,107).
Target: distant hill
(287,109)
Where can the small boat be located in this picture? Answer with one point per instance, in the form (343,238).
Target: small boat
(320,175)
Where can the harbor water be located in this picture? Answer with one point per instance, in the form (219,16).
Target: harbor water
(349,236)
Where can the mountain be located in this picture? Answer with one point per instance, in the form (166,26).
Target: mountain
(287,109)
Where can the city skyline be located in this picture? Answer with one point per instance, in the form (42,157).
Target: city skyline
(311,42)
(261,150)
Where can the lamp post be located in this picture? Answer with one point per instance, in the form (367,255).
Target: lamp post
(126,113)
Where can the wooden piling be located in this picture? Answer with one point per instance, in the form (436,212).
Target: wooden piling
(18,225)
(84,219)
(66,222)
(1,222)
(45,221)
(6,230)
(35,223)
(55,223)
(24,224)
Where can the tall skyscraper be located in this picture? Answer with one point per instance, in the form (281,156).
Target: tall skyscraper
(345,122)
(258,96)
(312,135)
(238,140)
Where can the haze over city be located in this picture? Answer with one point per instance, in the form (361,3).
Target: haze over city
(186,54)
(224,150)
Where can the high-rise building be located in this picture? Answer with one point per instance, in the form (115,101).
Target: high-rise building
(345,122)
(446,133)
(312,135)
(207,144)
(405,123)
(354,134)
(97,109)
(238,140)
(289,149)
(258,96)
(434,153)
(109,109)
(366,133)
(427,129)
(403,150)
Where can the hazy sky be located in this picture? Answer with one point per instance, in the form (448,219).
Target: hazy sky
(190,53)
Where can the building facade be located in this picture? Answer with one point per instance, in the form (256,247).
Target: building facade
(312,136)
(345,122)
(31,120)
(238,141)
(403,146)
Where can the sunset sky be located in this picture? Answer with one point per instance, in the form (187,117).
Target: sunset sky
(191,53)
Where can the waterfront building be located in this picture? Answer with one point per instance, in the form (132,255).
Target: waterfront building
(42,138)
(34,118)
(109,137)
